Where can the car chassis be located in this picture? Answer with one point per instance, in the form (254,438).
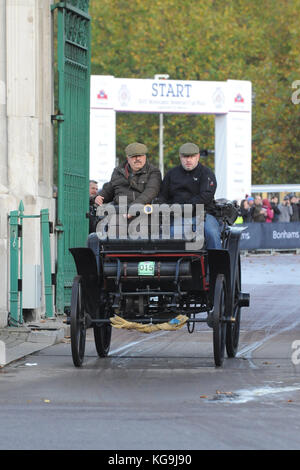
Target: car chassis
(153,281)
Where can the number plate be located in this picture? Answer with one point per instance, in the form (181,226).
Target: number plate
(146,268)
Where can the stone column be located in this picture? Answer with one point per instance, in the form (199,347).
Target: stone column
(26,144)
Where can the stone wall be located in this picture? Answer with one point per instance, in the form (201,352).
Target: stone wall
(26,134)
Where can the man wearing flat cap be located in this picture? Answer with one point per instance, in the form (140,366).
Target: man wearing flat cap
(137,179)
(193,183)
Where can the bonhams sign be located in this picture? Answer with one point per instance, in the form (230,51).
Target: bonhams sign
(271,236)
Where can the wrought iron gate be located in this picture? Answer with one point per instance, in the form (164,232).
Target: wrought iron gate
(73,63)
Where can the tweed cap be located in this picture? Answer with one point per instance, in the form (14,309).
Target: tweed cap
(188,149)
(135,149)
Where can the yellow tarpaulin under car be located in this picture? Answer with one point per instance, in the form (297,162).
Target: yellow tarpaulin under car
(174,324)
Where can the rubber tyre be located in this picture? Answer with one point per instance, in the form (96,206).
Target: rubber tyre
(102,336)
(77,324)
(218,324)
(233,329)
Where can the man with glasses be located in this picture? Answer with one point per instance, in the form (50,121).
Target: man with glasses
(193,183)
(137,179)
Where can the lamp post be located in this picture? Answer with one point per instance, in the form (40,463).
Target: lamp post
(161,130)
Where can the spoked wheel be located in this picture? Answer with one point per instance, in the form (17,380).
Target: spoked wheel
(218,323)
(78,324)
(233,329)
(102,336)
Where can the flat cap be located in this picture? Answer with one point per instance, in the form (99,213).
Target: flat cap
(188,149)
(136,149)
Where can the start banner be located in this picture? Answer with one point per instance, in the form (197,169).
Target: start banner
(280,235)
(170,96)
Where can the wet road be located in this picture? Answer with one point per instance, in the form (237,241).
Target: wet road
(162,391)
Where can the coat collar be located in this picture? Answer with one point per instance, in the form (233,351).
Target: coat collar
(198,169)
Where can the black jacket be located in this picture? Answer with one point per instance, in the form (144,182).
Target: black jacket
(295,217)
(190,187)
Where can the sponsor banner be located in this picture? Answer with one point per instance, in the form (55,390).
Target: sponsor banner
(102,145)
(170,96)
(102,93)
(229,101)
(233,155)
(173,96)
(238,155)
(239,95)
(259,236)
(154,96)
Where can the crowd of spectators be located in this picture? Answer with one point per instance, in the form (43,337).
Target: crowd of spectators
(256,209)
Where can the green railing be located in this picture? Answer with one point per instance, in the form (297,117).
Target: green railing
(16,221)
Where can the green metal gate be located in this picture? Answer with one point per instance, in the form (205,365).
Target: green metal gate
(73,63)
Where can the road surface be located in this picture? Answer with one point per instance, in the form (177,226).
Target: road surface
(162,391)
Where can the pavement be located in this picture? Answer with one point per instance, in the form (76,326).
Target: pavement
(21,341)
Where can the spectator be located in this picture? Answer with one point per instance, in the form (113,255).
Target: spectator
(245,210)
(258,213)
(285,210)
(93,188)
(250,201)
(269,210)
(239,219)
(274,205)
(92,206)
(295,217)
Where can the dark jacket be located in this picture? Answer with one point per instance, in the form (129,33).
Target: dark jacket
(256,213)
(190,187)
(276,211)
(141,187)
(246,214)
(295,217)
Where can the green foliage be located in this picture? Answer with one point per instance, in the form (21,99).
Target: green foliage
(207,40)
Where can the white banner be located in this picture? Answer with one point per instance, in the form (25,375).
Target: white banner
(155,96)
(102,144)
(239,96)
(229,101)
(238,155)
(102,93)
(170,96)
(233,155)
(174,96)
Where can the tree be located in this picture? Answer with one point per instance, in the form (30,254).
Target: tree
(207,40)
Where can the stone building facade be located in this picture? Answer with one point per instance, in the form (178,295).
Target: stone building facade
(26,131)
